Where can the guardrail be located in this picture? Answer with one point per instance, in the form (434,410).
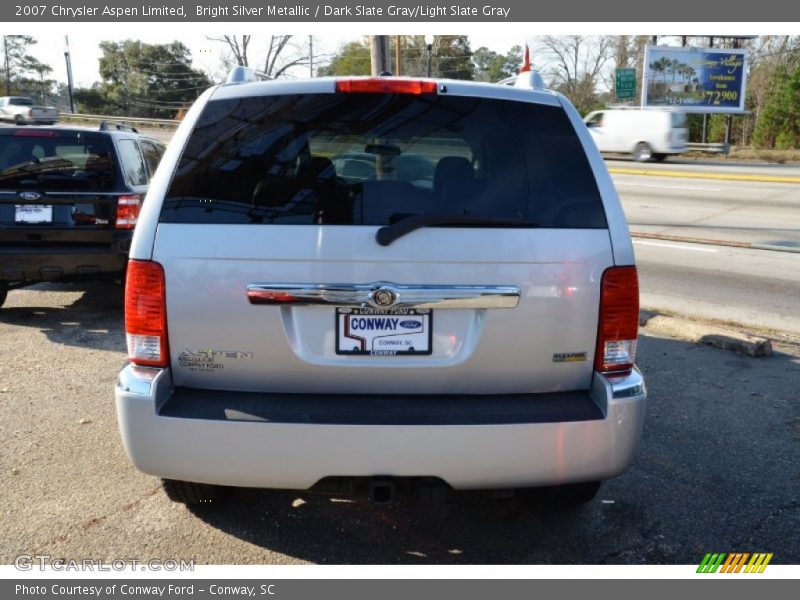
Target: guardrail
(171,122)
(712,148)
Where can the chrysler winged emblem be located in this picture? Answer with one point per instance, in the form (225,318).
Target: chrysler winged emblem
(383,298)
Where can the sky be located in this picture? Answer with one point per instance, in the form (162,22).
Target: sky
(206,54)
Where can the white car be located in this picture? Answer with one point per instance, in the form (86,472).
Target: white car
(292,328)
(645,134)
(23,111)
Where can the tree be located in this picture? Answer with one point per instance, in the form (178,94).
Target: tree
(773,60)
(237,46)
(352,59)
(779,122)
(148,80)
(47,85)
(451,57)
(282,53)
(19,66)
(577,63)
(491,66)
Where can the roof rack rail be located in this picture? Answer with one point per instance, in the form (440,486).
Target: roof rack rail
(117,126)
(240,74)
(526,79)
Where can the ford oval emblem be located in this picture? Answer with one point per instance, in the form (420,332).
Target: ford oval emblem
(410,324)
(30,195)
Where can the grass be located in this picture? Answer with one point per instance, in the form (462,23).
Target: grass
(746,153)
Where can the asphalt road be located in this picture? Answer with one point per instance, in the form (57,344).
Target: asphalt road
(710,165)
(758,289)
(718,469)
(762,213)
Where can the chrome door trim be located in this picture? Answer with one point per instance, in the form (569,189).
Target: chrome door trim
(384,295)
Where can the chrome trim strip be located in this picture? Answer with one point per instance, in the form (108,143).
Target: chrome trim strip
(627,386)
(402,296)
(137,380)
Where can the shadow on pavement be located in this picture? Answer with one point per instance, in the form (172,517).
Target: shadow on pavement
(94,320)
(718,469)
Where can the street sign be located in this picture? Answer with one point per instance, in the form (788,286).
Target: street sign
(626,83)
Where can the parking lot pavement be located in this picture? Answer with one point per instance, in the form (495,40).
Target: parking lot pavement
(718,469)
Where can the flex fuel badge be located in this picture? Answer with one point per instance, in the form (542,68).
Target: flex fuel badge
(209,361)
(569,357)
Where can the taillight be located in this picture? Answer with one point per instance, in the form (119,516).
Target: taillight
(619,321)
(146,314)
(30,112)
(381,85)
(128,211)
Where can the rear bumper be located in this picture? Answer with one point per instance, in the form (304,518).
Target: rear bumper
(183,434)
(670,148)
(50,263)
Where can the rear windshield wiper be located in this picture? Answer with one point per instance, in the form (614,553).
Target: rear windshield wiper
(389,233)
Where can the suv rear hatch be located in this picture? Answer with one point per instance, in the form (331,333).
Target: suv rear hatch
(57,194)
(269,228)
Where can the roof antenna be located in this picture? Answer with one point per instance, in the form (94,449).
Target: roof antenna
(526,60)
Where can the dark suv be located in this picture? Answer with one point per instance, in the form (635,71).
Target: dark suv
(69,200)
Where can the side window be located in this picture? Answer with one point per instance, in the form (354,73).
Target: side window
(596,120)
(152,155)
(132,163)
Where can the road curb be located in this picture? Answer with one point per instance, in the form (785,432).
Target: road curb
(704,333)
(694,175)
(693,240)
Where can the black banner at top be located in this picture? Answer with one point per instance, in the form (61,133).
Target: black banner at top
(397,11)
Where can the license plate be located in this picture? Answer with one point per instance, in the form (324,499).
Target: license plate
(33,213)
(372,332)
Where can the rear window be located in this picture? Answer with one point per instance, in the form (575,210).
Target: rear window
(132,162)
(152,155)
(373,159)
(21,102)
(679,120)
(66,162)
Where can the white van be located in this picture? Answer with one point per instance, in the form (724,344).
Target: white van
(643,133)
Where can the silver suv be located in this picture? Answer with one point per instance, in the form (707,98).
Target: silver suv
(380,280)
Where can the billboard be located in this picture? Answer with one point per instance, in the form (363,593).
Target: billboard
(702,80)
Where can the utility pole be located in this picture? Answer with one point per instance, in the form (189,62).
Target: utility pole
(311,56)
(705,115)
(379,54)
(398,40)
(69,74)
(429,39)
(8,70)
(729,123)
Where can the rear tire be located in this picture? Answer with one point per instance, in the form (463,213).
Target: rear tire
(3,294)
(19,121)
(560,496)
(642,152)
(191,493)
